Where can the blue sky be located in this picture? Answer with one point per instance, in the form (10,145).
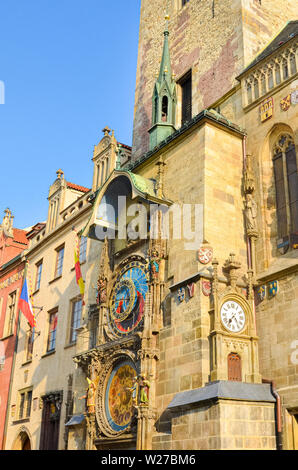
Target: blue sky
(69,70)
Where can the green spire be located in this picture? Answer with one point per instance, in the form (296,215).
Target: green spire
(164,97)
(165,72)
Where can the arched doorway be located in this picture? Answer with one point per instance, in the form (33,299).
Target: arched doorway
(26,444)
(22,442)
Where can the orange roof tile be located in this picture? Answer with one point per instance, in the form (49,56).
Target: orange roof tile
(77,187)
(19,236)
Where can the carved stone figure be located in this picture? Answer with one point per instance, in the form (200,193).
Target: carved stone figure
(90,395)
(144,386)
(251,213)
(101,290)
(134,390)
(7,223)
(154,264)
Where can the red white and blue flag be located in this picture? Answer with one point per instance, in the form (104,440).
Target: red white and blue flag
(25,304)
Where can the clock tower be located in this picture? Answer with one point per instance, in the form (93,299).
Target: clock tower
(234,343)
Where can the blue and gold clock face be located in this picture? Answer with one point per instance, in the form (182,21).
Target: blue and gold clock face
(119,396)
(127,302)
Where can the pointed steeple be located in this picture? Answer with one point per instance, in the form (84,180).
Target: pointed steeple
(165,72)
(164,97)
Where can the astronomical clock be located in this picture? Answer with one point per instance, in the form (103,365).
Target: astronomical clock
(121,368)
(121,365)
(127,300)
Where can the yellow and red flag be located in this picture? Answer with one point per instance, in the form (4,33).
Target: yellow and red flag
(79,277)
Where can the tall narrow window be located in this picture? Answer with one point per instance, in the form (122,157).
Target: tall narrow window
(164,109)
(76,312)
(28,403)
(285,69)
(83,249)
(53,320)
(270,79)
(38,275)
(22,405)
(263,84)
(102,180)
(155,113)
(277,74)
(10,314)
(107,168)
(186,89)
(29,344)
(59,261)
(292,177)
(249,93)
(256,88)
(293,67)
(286,188)
(281,207)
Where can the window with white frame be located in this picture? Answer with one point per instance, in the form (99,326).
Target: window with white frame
(75,321)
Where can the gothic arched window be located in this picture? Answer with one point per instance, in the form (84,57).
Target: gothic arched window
(286,187)
(164,109)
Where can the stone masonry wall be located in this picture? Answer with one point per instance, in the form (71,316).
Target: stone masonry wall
(216,43)
(233,425)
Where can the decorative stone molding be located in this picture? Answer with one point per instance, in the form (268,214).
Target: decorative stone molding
(269,75)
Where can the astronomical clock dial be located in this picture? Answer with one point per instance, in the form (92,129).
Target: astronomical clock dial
(127,301)
(119,395)
(232,316)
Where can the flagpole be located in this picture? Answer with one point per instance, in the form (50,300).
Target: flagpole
(13,361)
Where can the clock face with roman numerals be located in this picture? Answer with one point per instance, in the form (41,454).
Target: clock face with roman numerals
(232,316)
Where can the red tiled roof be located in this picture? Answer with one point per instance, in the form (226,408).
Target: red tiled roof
(19,236)
(77,187)
(124,145)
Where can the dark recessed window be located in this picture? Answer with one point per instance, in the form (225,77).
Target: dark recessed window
(186,97)
(286,188)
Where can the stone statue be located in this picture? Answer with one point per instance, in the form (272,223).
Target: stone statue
(90,395)
(251,213)
(7,223)
(144,386)
(134,389)
(101,290)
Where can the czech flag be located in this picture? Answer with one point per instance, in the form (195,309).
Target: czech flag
(79,277)
(25,304)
